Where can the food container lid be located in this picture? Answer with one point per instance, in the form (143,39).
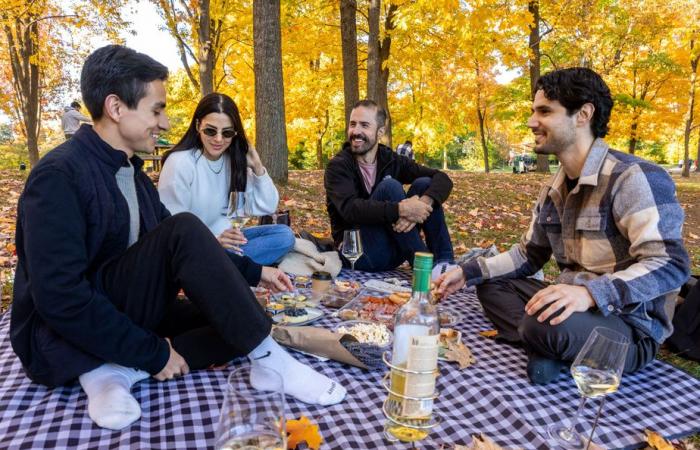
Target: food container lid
(321,276)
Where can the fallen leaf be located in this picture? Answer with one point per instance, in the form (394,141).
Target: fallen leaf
(488,333)
(303,430)
(656,441)
(693,236)
(460,353)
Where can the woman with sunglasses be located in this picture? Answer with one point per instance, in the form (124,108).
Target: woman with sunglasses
(213,159)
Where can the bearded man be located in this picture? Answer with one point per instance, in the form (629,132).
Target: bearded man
(365,190)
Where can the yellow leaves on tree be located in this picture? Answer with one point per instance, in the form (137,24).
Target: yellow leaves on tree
(303,430)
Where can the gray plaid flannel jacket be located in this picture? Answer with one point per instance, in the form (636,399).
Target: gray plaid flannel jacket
(618,232)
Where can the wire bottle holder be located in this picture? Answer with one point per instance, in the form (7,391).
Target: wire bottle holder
(420,425)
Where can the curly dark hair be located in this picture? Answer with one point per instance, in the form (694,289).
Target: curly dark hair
(575,86)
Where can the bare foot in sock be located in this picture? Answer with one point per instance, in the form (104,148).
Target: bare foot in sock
(110,403)
(300,381)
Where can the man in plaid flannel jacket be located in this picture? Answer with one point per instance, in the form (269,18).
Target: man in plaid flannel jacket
(611,221)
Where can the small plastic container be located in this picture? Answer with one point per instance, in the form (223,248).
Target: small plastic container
(302,282)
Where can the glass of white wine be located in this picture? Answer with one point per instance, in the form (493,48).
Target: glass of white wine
(252,418)
(352,247)
(597,371)
(238,212)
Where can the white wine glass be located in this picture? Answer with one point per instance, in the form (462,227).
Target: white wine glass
(597,371)
(238,211)
(252,415)
(352,247)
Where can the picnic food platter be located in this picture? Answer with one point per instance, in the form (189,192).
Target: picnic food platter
(298,316)
(340,293)
(372,306)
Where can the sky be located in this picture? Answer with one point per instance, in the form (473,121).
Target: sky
(150,38)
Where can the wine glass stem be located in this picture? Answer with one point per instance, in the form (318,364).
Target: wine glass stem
(352,266)
(575,419)
(595,422)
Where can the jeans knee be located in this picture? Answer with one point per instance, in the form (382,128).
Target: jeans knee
(389,189)
(419,186)
(287,238)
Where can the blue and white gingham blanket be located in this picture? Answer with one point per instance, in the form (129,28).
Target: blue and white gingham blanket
(493,397)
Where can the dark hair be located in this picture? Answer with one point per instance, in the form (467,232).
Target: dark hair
(237,151)
(408,142)
(381,113)
(117,70)
(75,105)
(575,86)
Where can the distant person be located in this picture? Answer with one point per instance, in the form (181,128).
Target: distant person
(364,190)
(71,119)
(100,261)
(511,157)
(213,159)
(614,226)
(405,149)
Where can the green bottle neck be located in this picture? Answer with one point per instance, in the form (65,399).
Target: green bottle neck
(421,280)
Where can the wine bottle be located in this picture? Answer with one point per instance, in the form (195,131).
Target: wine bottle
(416,330)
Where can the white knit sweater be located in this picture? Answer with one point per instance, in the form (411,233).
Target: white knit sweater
(188,182)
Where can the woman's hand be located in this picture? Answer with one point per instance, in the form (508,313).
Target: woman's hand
(232,239)
(275,280)
(253,160)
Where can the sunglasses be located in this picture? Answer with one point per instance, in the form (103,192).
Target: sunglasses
(226,134)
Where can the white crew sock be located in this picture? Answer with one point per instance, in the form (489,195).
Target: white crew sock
(300,381)
(110,403)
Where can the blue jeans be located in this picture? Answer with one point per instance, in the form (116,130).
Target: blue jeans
(385,249)
(267,244)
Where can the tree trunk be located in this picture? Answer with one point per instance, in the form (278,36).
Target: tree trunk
(348,37)
(270,130)
(534,42)
(382,89)
(697,154)
(206,50)
(482,134)
(444,157)
(633,134)
(319,142)
(373,63)
(25,79)
(691,106)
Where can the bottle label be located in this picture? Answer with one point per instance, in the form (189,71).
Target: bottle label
(422,356)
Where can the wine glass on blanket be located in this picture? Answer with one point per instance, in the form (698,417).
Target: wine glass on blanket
(597,371)
(252,415)
(352,247)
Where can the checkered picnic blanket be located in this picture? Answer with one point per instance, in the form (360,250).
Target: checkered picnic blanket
(493,397)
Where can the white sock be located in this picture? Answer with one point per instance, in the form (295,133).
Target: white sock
(110,403)
(300,381)
(440,268)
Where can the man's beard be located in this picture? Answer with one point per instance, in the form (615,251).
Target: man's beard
(555,144)
(365,147)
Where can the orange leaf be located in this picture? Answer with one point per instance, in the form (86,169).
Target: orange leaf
(488,333)
(303,430)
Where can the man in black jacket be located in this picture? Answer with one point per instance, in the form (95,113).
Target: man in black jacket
(364,189)
(100,262)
